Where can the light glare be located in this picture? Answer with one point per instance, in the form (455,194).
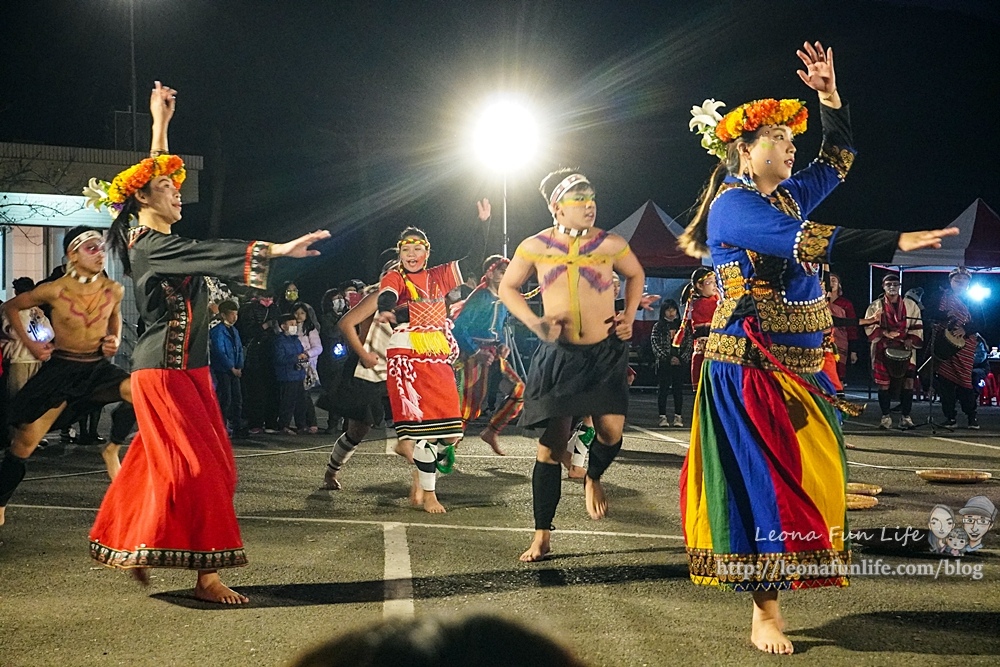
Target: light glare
(979,292)
(506,136)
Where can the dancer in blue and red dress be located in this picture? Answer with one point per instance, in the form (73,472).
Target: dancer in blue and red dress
(172,503)
(763,485)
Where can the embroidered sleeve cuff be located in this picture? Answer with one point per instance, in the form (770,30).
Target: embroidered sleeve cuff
(864,245)
(837,150)
(257,264)
(812,242)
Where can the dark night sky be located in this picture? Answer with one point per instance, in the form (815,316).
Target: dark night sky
(352,116)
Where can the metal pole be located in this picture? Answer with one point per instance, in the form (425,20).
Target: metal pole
(131,26)
(505,215)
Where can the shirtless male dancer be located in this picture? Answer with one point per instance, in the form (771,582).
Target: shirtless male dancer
(77,376)
(580,367)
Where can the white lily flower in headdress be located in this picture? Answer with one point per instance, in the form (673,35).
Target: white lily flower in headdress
(96,194)
(706,115)
(704,120)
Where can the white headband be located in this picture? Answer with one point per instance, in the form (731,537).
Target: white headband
(564,185)
(83,238)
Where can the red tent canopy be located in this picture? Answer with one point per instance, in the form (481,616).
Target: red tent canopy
(652,234)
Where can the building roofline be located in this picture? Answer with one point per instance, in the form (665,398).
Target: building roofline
(87,155)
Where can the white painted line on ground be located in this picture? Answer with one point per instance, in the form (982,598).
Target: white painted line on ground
(398,577)
(965,442)
(407,524)
(660,436)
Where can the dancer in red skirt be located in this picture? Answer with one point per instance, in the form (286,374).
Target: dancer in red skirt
(172,503)
(421,351)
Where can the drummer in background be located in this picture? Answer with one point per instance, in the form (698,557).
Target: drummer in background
(895,336)
(956,324)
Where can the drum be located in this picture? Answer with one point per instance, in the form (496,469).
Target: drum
(947,344)
(897,361)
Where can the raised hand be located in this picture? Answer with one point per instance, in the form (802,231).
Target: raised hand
(162,102)
(909,241)
(484,209)
(300,246)
(819,74)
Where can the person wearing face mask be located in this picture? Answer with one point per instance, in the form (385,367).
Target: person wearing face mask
(763,483)
(290,362)
(957,321)
(895,337)
(287,297)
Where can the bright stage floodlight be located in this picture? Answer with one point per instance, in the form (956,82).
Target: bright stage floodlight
(979,292)
(506,136)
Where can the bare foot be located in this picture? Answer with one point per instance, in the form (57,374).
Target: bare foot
(111,461)
(140,574)
(492,438)
(576,472)
(540,548)
(211,589)
(405,449)
(431,504)
(416,493)
(597,503)
(766,632)
(330,481)
(2,511)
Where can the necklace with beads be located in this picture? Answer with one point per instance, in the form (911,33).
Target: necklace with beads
(83,280)
(571,232)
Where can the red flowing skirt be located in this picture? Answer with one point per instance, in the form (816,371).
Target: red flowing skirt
(172,503)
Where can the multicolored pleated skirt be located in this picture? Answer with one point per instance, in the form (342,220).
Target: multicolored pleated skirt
(763,487)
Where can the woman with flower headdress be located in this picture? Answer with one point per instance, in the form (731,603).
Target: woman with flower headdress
(763,484)
(172,503)
(421,381)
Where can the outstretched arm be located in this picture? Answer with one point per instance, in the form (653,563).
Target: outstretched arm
(162,102)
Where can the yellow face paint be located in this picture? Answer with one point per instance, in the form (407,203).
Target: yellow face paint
(578,200)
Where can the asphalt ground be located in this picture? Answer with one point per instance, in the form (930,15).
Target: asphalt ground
(616,592)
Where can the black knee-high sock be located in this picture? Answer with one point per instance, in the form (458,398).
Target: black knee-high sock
(546,487)
(12,469)
(601,456)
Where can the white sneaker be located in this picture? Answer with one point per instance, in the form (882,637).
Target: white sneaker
(905,422)
(678,421)
(886,422)
(664,421)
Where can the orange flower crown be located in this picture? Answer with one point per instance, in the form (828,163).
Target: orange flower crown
(114,194)
(716,130)
(754,115)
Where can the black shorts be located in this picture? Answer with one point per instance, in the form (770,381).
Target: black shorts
(84,386)
(358,399)
(576,380)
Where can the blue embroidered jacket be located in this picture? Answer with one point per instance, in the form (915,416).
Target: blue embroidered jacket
(482,317)
(767,254)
